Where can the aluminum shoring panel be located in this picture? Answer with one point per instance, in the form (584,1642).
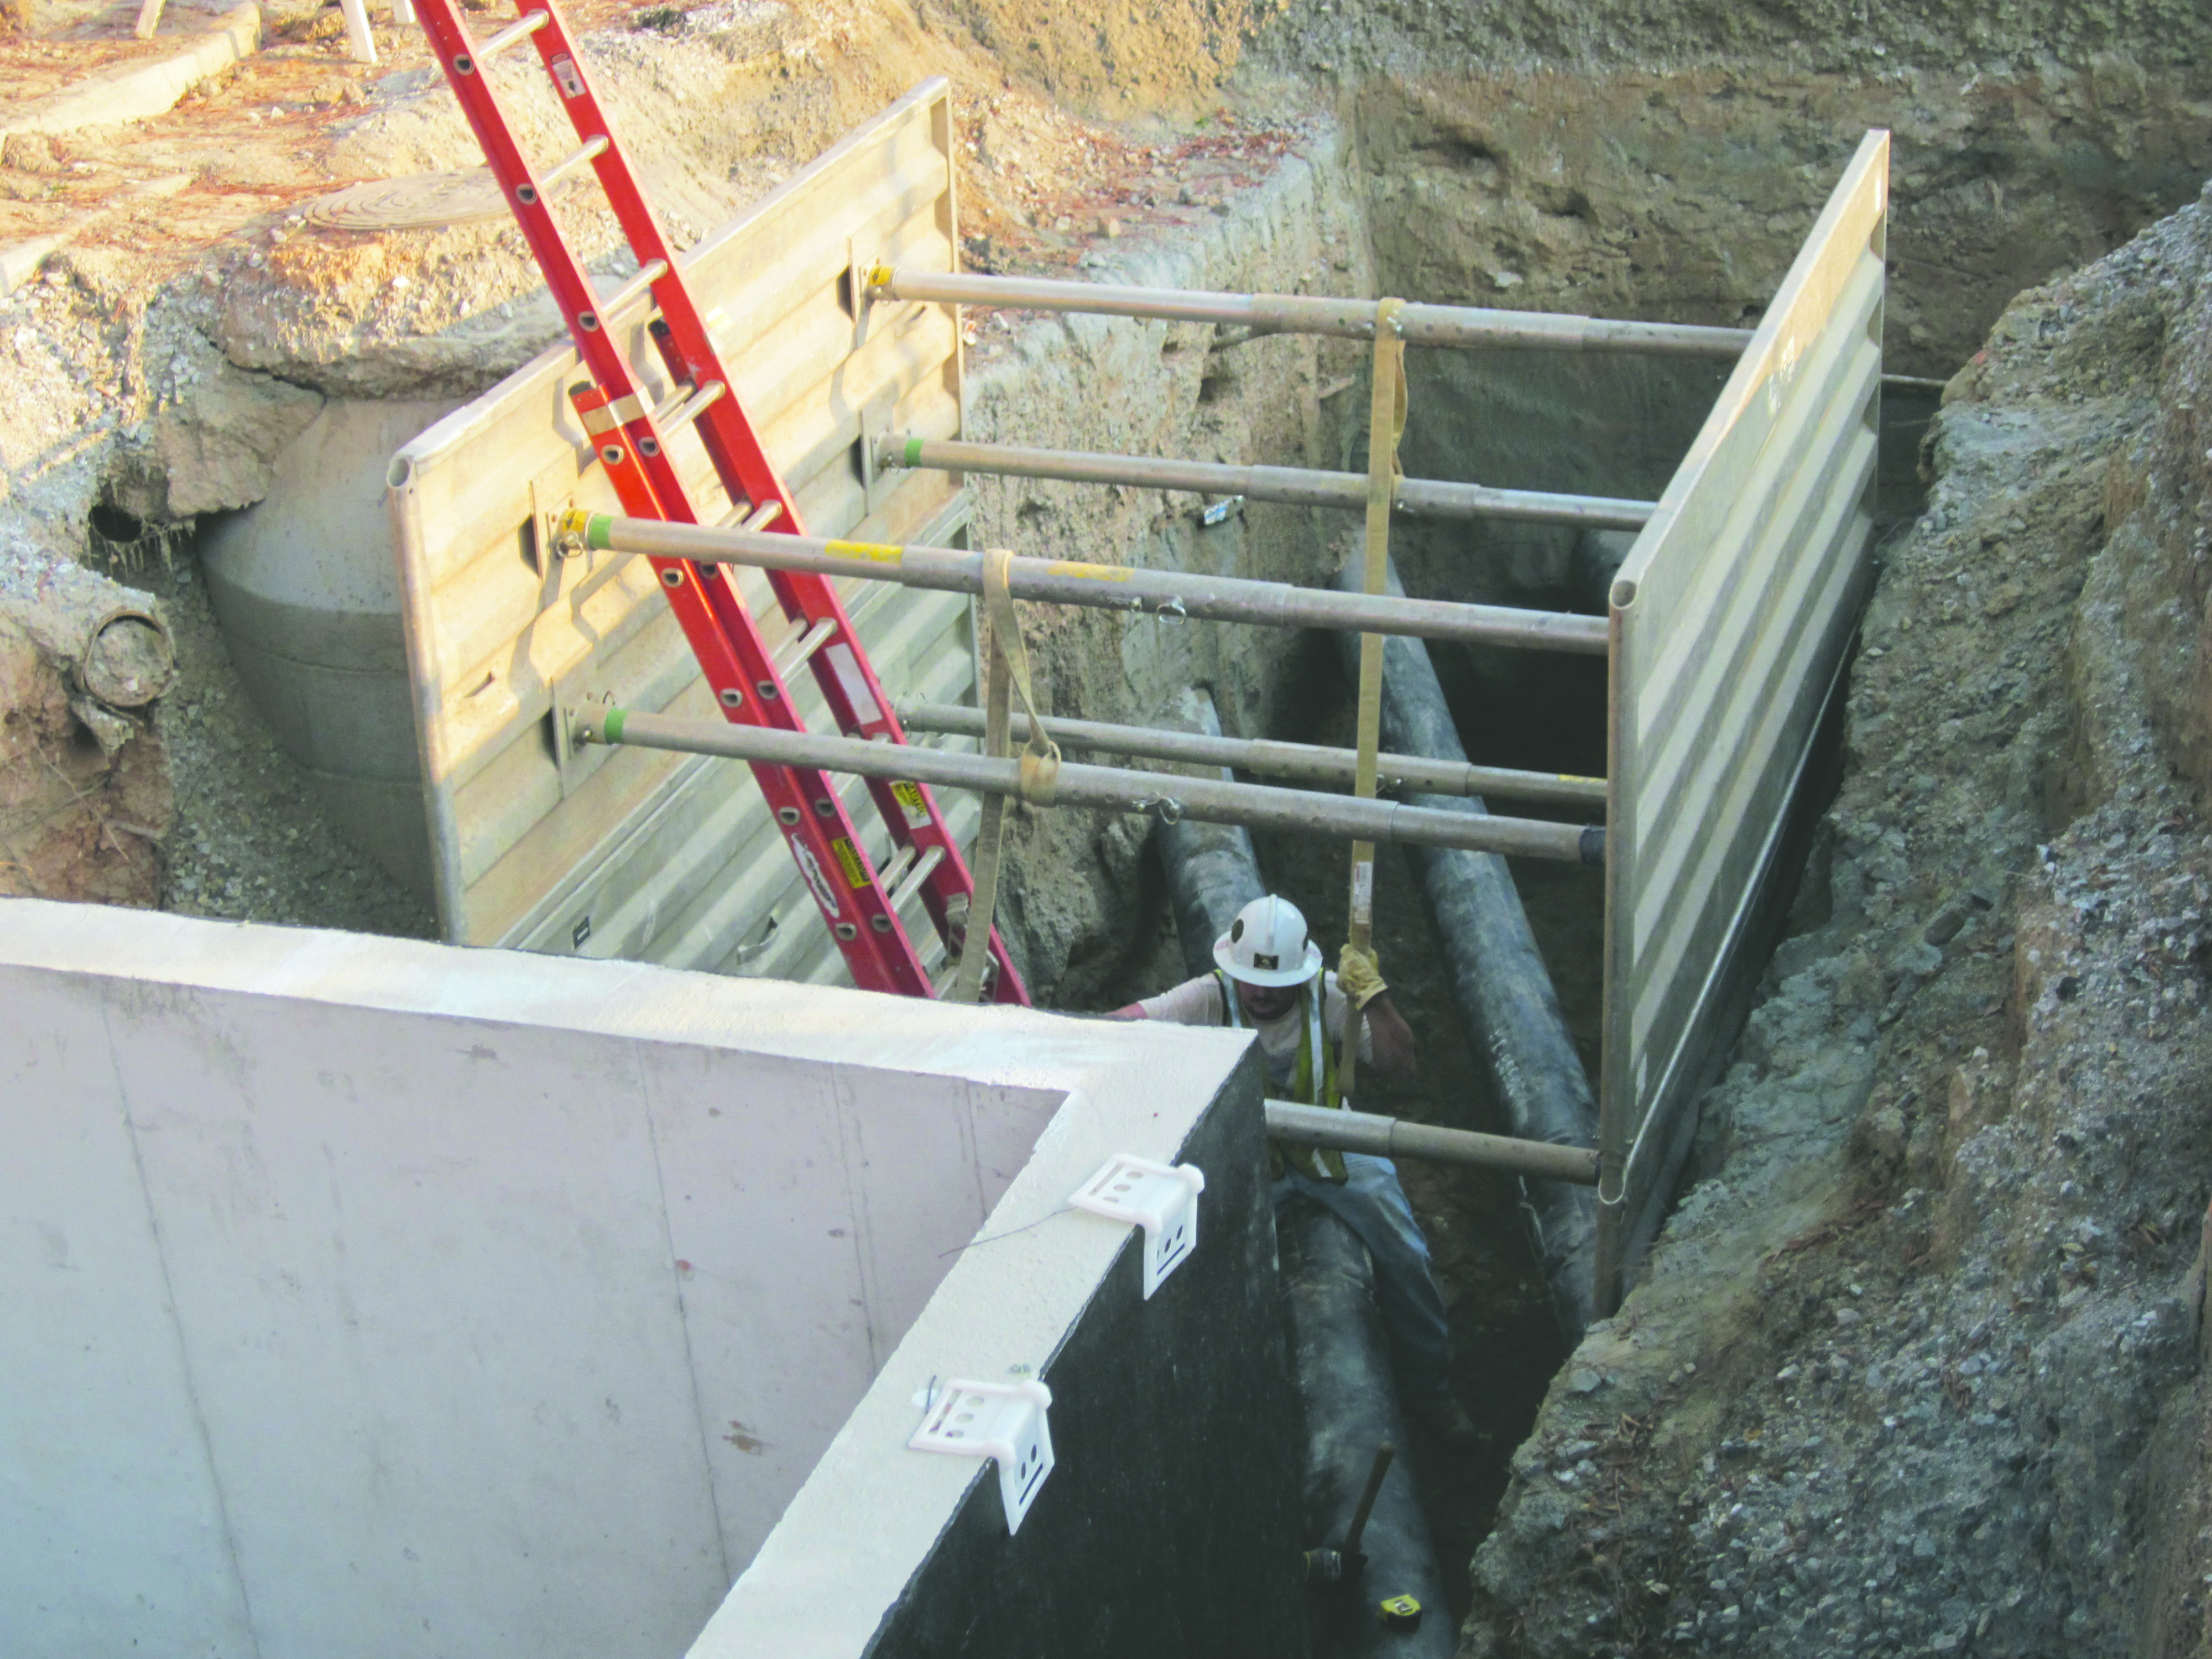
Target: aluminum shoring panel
(1729,621)
(653,856)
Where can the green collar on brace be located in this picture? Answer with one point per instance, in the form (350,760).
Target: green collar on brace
(610,723)
(914,452)
(595,530)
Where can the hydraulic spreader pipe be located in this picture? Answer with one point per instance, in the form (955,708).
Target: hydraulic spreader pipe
(1286,313)
(1306,763)
(1096,587)
(1298,486)
(1259,806)
(1503,989)
(1398,1137)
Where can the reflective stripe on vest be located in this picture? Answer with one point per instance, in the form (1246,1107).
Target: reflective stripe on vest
(1322,1164)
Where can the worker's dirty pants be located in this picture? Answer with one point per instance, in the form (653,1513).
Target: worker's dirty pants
(1373,1204)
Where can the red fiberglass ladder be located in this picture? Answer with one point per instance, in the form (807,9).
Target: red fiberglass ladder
(855,899)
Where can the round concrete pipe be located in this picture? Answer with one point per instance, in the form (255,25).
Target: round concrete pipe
(1341,1359)
(304,587)
(1504,991)
(128,659)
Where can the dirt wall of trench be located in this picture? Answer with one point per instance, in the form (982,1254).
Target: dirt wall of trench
(1912,1368)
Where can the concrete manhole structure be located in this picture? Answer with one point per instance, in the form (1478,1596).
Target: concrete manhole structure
(419,202)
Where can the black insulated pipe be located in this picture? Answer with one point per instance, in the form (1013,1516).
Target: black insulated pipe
(1504,991)
(1342,1360)
(1339,1348)
(1212,869)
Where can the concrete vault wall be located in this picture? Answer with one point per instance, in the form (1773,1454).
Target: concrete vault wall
(379,1298)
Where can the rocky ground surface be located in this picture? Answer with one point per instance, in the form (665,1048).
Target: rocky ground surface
(199,310)
(1915,1369)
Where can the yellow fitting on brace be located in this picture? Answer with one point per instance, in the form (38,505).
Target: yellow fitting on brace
(575,530)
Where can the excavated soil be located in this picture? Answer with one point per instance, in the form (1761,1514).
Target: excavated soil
(1915,1368)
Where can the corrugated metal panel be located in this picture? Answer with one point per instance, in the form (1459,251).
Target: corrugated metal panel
(1729,621)
(633,853)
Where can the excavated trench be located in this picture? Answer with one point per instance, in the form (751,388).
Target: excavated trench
(1676,194)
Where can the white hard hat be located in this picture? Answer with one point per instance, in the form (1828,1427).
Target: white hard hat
(1267,945)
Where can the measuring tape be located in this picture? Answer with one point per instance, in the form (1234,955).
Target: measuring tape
(1400,1613)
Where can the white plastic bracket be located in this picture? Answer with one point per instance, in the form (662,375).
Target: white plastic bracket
(1005,1420)
(1161,1198)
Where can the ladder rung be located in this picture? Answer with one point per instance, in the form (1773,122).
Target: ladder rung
(592,147)
(912,885)
(805,646)
(901,857)
(684,406)
(630,292)
(530,23)
(756,519)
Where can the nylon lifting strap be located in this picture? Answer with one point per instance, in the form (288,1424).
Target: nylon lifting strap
(1039,770)
(1386,425)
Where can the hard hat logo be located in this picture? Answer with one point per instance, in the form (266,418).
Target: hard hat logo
(1267,945)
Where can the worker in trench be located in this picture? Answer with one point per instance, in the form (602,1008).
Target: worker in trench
(1270,980)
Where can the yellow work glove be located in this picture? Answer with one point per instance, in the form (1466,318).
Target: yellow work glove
(1359,976)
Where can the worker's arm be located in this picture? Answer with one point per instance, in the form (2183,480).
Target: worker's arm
(1359,976)
(1393,1039)
(1194,1002)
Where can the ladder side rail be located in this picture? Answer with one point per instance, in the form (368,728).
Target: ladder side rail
(750,479)
(565,275)
(722,634)
(808,812)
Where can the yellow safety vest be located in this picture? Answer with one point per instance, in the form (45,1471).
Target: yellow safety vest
(1321,1163)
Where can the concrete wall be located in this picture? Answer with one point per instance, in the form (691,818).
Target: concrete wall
(375,1297)
(1171,1523)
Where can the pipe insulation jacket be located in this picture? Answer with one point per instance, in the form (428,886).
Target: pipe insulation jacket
(1341,1357)
(1212,869)
(1298,313)
(1504,991)
(1339,1350)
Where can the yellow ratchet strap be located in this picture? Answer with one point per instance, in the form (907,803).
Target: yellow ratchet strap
(1008,673)
(1386,425)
